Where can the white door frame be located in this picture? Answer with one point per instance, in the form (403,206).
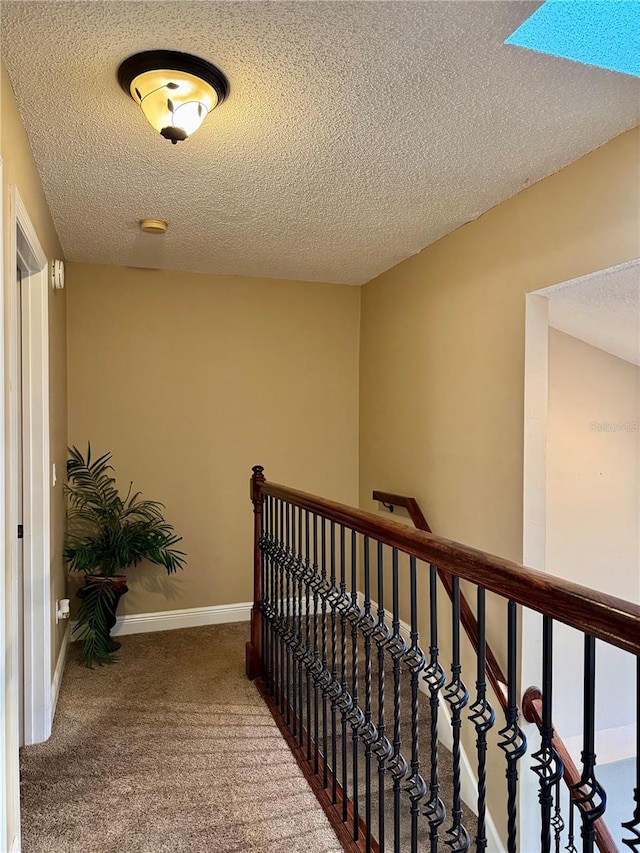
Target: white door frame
(6,803)
(536,385)
(25,249)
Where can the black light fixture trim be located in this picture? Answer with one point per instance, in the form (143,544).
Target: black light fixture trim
(172,60)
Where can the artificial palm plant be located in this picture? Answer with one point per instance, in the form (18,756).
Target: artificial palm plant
(108,534)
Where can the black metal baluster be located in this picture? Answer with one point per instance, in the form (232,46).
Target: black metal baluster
(301,644)
(354,684)
(397,647)
(308,626)
(270,597)
(483,717)
(633,825)
(343,667)
(367,693)
(382,748)
(276,603)
(557,821)
(287,627)
(434,676)
(316,649)
(294,637)
(588,795)
(262,545)
(281,620)
(414,659)
(334,663)
(294,624)
(274,598)
(323,607)
(457,696)
(571,847)
(549,767)
(514,743)
(266,593)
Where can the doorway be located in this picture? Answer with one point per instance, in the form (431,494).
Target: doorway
(28,480)
(582,498)
(25,595)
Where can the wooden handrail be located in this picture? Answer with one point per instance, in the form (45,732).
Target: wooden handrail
(532,712)
(496,677)
(595,613)
(410,504)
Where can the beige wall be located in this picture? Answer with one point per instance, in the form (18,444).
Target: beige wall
(442,344)
(593,465)
(442,356)
(190,380)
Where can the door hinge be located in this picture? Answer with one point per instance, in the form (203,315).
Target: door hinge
(20,531)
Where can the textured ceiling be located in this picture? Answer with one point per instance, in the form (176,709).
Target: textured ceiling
(602,309)
(355,133)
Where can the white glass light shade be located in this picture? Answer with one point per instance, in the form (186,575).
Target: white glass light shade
(175,90)
(175,103)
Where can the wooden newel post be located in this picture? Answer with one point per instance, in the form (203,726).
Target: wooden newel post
(253,650)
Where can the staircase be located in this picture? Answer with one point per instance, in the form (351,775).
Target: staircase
(389,734)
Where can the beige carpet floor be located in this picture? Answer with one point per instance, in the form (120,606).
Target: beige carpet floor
(169,750)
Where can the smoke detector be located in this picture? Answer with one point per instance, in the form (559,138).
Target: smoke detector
(57,274)
(153,226)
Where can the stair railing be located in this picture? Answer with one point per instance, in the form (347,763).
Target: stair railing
(495,675)
(343,676)
(532,701)
(532,712)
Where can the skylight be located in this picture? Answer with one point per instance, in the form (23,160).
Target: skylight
(605,33)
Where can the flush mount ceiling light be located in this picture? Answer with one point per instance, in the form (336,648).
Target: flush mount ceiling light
(175,90)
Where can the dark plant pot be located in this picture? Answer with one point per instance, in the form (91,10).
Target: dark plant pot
(118,584)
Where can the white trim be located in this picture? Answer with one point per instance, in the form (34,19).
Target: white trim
(57,675)
(536,389)
(25,246)
(468,778)
(6,695)
(170,620)
(15,845)
(534,545)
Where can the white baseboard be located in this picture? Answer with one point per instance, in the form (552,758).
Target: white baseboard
(15,845)
(57,675)
(468,778)
(192,617)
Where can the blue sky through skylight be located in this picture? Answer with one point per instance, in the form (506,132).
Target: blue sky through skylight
(605,33)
